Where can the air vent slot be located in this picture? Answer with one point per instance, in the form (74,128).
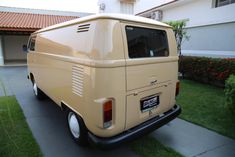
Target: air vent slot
(77,80)
(83,28)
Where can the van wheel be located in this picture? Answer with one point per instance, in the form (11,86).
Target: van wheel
(77,128)
(38,92)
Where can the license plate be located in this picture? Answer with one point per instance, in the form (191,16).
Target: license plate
(148,103)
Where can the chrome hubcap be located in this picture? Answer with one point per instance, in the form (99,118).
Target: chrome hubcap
(35,89)
(73,125)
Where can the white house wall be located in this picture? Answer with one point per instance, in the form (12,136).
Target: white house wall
(116,6)
(13,47)
(111,6)
(1,51)
(142,5)
(200,12)
(211,30)
(213,37)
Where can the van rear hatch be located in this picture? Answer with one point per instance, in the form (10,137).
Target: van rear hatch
(151,72)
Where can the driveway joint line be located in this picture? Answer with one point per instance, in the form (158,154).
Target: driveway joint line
(212,149)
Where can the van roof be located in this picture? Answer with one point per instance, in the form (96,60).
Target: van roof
(122,17)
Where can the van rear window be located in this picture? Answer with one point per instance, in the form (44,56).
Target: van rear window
(145,42)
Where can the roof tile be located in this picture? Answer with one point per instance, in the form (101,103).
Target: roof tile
(24,21)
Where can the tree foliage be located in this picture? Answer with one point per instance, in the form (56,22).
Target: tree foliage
(180,32)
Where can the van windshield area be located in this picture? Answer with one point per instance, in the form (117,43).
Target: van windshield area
(146,42)
(31,45)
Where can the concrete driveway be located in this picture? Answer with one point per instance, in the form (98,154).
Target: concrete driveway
(46,120)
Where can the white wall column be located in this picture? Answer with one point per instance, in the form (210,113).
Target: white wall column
(1,51)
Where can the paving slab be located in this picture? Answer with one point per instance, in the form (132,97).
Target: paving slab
(5,87)
(192,140)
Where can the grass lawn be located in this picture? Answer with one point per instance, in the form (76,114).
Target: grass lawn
(150,147)
(16,139)
(204,105)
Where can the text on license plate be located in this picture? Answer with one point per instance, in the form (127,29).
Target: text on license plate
(149,103)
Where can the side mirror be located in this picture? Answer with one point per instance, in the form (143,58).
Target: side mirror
(25,48)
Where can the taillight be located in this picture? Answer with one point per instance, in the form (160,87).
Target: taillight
(177,89)
(107,109)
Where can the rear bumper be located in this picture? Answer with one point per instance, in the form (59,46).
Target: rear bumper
(137,131)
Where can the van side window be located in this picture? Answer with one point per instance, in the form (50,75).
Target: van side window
(31,45)
(146,42)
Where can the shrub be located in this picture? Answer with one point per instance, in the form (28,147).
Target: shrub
(230,92)
(207,70)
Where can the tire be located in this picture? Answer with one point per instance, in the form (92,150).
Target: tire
(77,128)
(38,92)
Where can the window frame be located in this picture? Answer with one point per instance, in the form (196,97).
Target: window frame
(151,28)
(226,2)
(125,5)
(30,43)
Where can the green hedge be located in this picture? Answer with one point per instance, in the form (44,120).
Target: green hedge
(207,70)
(230,92)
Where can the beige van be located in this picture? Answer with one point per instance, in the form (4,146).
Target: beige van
(114,75)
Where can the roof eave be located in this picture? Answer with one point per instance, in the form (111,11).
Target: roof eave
(19,29)
(156,8)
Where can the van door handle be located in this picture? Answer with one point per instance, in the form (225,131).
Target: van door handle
(153,82)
